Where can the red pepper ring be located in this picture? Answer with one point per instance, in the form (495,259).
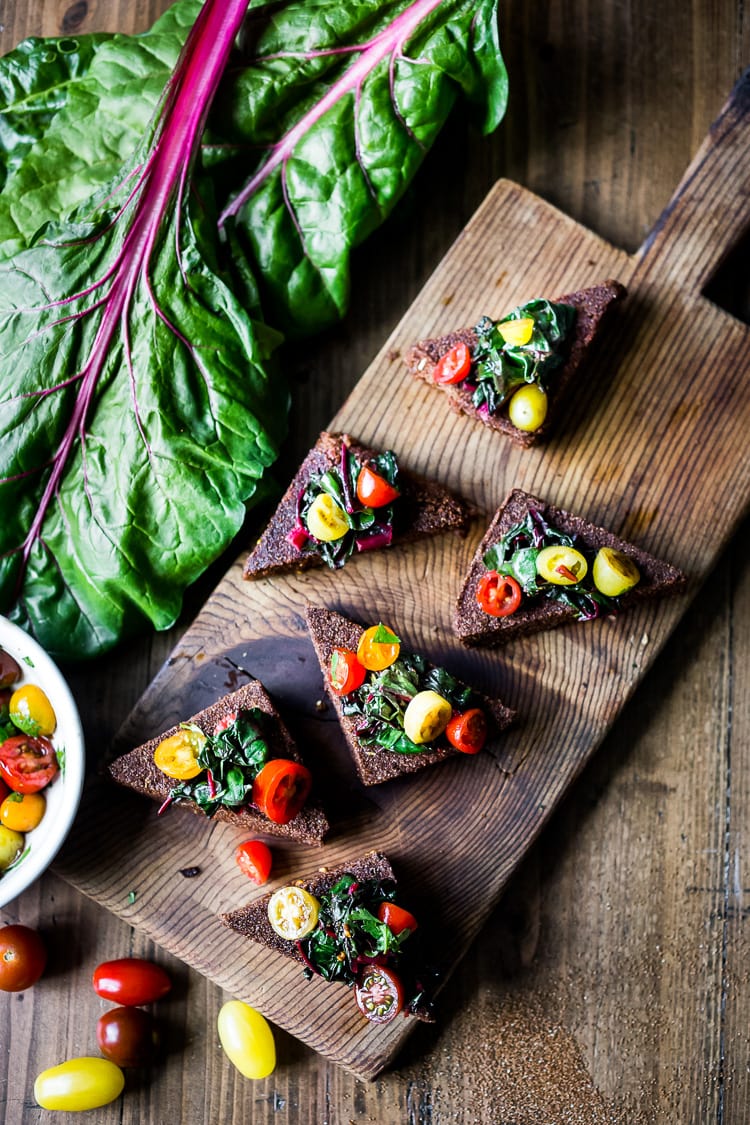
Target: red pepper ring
(499,595)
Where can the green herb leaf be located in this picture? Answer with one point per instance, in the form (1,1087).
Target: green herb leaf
(384,636)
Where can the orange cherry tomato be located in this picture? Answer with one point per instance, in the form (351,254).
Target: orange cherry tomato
(346,673)
(454,366)
(379,994)
(467,731)
(376,651)
(254,859)
(498,594)
(396,918)
(373,490)
(281,788)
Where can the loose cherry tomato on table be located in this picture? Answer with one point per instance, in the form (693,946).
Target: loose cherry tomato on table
(281,789)
(247,1039)
(23,957)
(27,764)
(127,1036)
(379,994)
(499,595)
(254,859)
(131,981)
(78,1084)
(453,367)
(346,674)
(396,918)
(378,648)
(467,731)
(373,490)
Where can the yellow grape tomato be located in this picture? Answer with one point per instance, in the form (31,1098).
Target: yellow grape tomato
(426,716)
(247,1039)
(83,1083)
(22,811)
(560,565)
(31,711)
(177,756)
(614,573)
(326,520)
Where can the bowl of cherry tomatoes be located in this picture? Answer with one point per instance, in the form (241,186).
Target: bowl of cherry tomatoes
(42,760)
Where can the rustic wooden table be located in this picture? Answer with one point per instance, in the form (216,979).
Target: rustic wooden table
(611,983)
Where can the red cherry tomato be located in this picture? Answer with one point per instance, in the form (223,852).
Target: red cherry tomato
(379,994)
(373,490)
(396,918)
(23,957)
(254,859)
(467,731)
(131,981)
(281,788)
(453,367)
(27,764)
(498,594)
(346,674)
(127,1036)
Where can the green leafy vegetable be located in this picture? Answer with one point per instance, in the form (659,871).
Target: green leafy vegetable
(232,759)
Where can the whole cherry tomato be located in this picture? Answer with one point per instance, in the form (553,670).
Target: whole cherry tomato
(373,490)
(27,764)
(23,957)
(31,710)
(127,1036)
(467,731)
(347,674)
(379,994)
(453,367)
(247,1039)
(499,595)
(281,788)
(10,669)
(131,981)
(396,918)
(254,858)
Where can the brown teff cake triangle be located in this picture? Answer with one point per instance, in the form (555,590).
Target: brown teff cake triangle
(137,770)
(475,627)
(593,307)
(424,508)
(330,630)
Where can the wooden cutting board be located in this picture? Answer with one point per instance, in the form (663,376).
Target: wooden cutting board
(654,446)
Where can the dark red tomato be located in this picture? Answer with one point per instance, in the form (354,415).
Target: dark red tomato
(10,669)
(396,918)
(454,366)
(281,788)
(27,764)
(131,981)
(498,594)
(347,674)
(4,791)
(467,731)
(379,994)
(127,1036)
(23,957)
(255,860)
(373,490)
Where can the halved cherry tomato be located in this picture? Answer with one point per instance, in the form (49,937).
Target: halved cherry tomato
(454,366)
(467,731)
(254,859)
(177,756)
(27,764)
(347,674)
(396,918)
(23,956)
(127,1036)
(498,594)
(131,981)
(379,994)
(373,490)
(378,648)
(281,788)
(293,912)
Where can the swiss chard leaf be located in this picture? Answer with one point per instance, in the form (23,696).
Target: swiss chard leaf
(348,934)
(233,758)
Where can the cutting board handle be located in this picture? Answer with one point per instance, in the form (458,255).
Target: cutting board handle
(710,210)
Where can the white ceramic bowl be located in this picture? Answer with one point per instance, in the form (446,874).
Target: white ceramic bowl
(64,793)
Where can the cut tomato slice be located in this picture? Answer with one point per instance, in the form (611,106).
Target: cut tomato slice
(254,859)
(293,912)
(347,674)
(453,367)
(379,994)
(378,648)
(373,490)
(27,764)
(499,595)
(177,756)
(467,731)
(396,918)
(281,788)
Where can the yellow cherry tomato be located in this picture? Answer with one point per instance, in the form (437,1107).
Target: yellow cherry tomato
(614,573)
(563,566)
(22,811)
(177,756)
(293,912)
(83,1083)
(247,1039)
(527,409)
(31,711)
(378,648)
(326,520)
(516,333)
(426,716)
(11,846)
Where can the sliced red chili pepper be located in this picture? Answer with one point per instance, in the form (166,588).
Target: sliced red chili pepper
(499,595)
(453,367)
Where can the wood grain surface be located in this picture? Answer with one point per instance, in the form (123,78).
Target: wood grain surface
(609,984)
